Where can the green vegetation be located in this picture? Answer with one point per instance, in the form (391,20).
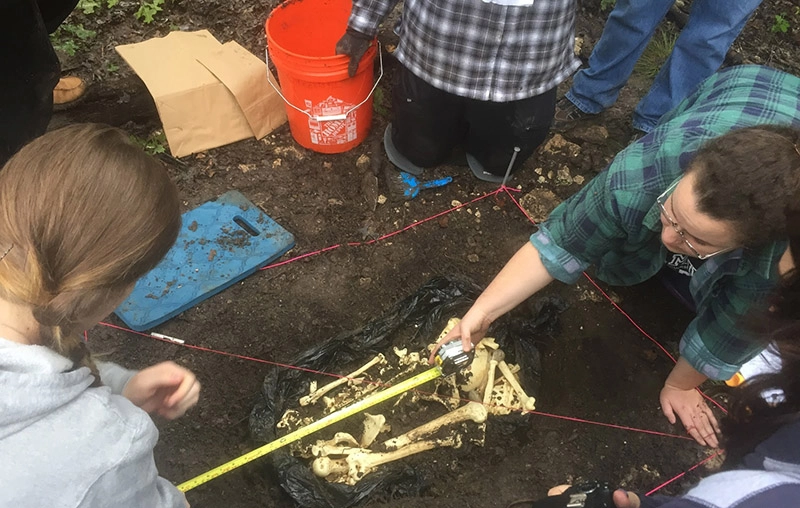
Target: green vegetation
(655,54)
(148,10)
(154,144)
(781,24)
(607,5)
(70,38)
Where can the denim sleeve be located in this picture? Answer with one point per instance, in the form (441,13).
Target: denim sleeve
(367,15)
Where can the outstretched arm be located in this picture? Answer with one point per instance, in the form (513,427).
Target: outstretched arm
(521,277)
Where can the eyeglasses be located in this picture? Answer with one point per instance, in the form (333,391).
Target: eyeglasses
(661,200)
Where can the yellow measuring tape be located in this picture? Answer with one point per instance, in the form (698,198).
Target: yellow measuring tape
(376,398)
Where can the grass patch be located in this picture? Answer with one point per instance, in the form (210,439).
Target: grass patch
(655,54)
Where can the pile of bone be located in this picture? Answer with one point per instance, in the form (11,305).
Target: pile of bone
(489,383)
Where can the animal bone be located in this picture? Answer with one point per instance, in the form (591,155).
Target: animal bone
(471,411)
(316,395)
(339,441)
(361,464)
(477,370)
(528,403)
(497,356)
(373,425)
(325,467)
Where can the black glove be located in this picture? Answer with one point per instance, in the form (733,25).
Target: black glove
(353,44)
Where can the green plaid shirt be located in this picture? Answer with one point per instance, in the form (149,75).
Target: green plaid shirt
(614,221)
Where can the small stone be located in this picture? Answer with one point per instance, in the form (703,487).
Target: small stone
(276,163)
(538,171)
(539,203)
(454,203)
(363,161)
(473,258)
(327,165)
(381,199)
(334,201)
(563,176)
(578,179)
(550,175)
(477,214)
(541,179)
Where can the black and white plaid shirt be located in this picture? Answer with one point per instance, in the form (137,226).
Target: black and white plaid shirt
(481,50)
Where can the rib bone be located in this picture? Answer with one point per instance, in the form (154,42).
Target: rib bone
(471,411)
(528,403)
(316,395)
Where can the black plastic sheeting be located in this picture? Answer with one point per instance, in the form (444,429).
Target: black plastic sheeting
(423,314)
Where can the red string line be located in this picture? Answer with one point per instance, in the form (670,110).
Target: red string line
(379,383)
(681,475)
(508,191)
(629,318)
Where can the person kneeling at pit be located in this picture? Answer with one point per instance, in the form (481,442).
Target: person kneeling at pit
(708,202)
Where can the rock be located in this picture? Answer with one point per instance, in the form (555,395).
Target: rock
(473,258)
(563,176)
(363,161)
(596,134)
(539,203)
(578,179)
(558,144)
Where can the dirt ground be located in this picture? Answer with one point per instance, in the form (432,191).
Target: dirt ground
(599,367)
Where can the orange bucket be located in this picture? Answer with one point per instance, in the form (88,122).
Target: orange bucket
(328,111)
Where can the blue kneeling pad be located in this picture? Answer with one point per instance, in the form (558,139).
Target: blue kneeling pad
(220,243)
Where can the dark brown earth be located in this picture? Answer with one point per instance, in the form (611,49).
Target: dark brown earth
(598,367)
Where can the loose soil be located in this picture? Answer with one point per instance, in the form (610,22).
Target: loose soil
(599,367)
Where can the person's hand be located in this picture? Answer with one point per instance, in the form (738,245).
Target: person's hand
(470,330)
(622,499)
(166,389)
(353,44)
(694,413)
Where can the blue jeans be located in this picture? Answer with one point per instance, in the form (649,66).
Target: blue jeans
(699,51)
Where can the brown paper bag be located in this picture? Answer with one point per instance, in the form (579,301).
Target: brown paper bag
(207,94)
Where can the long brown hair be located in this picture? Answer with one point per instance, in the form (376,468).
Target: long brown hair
(85,214)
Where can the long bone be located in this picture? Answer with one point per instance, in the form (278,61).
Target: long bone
(471,411)
(362,463)
(528,403)
(313,397)
(497,356)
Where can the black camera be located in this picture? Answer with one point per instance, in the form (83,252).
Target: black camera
(583,495)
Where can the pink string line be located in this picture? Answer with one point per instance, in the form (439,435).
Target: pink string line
(388,235)
(379,383)
(629,318)
(681,475)
(508,191)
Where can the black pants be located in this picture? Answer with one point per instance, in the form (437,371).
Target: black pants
(29,69)
(428,123)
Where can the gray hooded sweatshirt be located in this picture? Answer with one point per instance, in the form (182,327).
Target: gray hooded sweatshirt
(66,445)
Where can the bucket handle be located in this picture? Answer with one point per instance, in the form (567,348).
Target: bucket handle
(327,118)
